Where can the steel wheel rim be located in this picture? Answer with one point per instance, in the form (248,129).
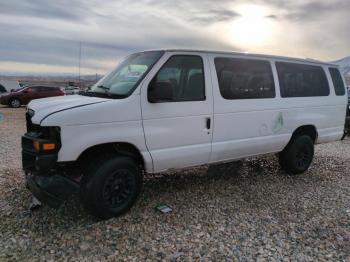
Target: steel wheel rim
(118,188)
(303,157)
(15,103)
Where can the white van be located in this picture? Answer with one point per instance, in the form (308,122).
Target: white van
(172,109)
(7,86)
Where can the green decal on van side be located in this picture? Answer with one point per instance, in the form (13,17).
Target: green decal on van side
(278,124)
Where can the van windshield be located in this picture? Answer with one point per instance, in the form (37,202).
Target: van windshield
(122,81)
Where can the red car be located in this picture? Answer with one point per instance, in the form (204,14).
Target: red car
(25,95)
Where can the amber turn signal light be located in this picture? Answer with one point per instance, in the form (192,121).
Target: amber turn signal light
(49,146)
(44,146)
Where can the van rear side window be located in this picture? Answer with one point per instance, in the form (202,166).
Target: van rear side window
(337,82)
(298,80)
(244,78)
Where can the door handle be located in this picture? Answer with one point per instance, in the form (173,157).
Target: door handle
(208,122)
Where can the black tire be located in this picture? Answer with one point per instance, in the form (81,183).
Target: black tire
(14,103)
(110,186)
(296,158)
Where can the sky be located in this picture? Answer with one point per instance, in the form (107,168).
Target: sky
(42,36)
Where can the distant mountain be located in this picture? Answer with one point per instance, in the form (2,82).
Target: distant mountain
(344,65)
(91,77)
(48,76)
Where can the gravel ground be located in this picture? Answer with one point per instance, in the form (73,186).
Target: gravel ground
(242,211)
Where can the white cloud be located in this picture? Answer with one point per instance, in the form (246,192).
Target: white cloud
(47,33)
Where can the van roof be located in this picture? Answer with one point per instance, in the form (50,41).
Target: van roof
(305,60)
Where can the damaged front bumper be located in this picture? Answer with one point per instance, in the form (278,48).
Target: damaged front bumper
(41,172)
(51,190)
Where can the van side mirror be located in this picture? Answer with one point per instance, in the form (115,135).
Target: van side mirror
(160,92)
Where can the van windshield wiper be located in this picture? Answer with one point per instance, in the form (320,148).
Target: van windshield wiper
(114,95)
(98,94)
(105,88)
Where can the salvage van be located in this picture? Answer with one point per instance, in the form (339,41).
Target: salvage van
(172,109)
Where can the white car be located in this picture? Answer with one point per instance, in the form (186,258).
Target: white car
(173,109)
(7,86)
(71,90)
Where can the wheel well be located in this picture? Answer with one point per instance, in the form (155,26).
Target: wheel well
(309,130)
(121,148)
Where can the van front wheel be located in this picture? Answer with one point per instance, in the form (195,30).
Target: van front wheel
(110,186)
(297,156)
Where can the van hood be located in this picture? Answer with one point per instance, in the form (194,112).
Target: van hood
(47,106)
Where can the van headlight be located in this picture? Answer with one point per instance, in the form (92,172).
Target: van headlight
(30,112)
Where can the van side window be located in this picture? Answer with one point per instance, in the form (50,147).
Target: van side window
(244,78)
(298,80)
(184,74)
(337,81)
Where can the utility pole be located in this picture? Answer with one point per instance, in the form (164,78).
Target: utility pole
(79,63)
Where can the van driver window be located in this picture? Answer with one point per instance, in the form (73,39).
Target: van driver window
(184,75)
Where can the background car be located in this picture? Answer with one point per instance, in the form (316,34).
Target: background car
(71,90)
(7,86)
(25,95)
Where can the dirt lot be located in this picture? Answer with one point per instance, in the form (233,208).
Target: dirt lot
(243,211)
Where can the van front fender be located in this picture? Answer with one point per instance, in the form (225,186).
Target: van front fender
(76,139)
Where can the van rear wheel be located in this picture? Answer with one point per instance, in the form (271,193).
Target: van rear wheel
(110,186)
(296,158)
